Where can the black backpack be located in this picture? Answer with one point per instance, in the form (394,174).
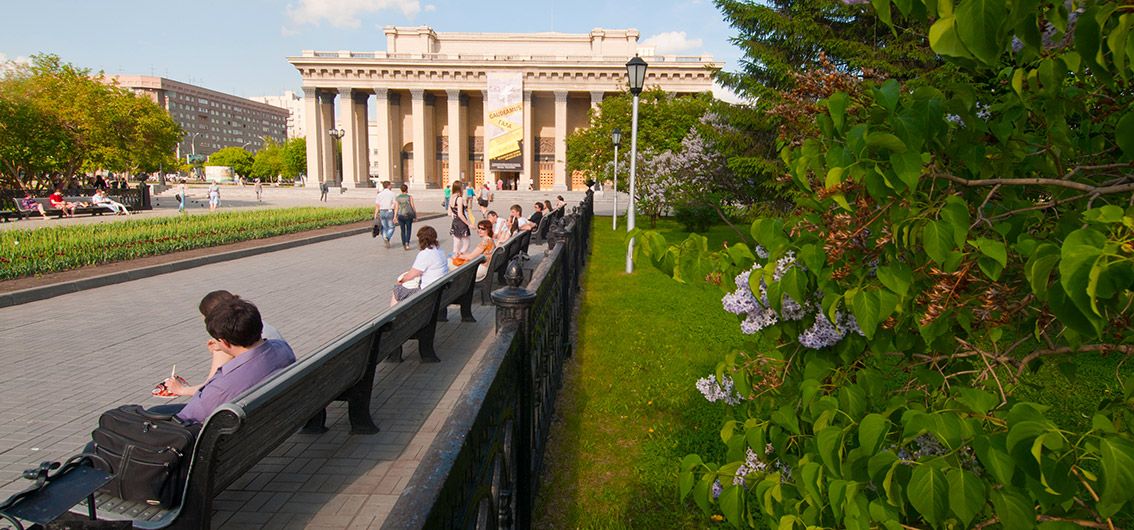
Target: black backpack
(148,454)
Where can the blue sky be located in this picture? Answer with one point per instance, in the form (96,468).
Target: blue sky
(240,46)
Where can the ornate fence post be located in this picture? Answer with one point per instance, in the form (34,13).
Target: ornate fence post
(513,305)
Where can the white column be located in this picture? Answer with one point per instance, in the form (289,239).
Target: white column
(349,140)
(456,139)
(326,123)
(417,180)
(484,151)
(560,182)
(386,152)
(531,170)
(314,137)
(361,116)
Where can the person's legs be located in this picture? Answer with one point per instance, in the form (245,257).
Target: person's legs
(405,222)
(462,244)
(387,217)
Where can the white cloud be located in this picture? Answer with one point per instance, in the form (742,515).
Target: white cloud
(7,63)
(726,94)
(429,8)
(672,42)
(347,13)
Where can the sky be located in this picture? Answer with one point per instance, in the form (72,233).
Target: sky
(241,46)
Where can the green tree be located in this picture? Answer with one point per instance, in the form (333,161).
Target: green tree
(268,164)
(237,158)
(294,158)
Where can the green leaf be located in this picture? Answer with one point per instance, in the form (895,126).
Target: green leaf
(1124,132)
(1081,249)
(1038,268)
(829,444)
(956,213)
(966,495)
(834,177)
(866,308)
(884,140)
(811,476)
(944,40)
(907,165)
(929,493)
(897,277)
(993,249)
(730,502)
(1117,471)
(887,94)
(872,432)
(837,106)
(994,458)
(937,240)
(1013,510)
(978,27)
(1105,214)
(976,400)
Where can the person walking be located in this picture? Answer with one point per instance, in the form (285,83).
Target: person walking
(445,202)
(405,213)
(214,196)
(384,211)
(484,198)
(259,191)
(459,211)
(182,196)
(323,189)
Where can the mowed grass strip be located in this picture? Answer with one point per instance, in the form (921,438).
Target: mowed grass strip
(629,411)
(29,252)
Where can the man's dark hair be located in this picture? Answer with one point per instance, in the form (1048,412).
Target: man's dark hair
(214,299)
(427,238)
(236,321)
(539,206)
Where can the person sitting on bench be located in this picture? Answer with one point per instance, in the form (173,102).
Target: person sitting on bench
(57,202)
(99,198)
(237,330)
(29,203)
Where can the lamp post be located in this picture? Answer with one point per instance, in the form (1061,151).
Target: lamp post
(336,134)
(616,137)
(636,70)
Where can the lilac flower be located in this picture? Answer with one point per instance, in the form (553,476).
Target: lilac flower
(752,464)
(717,489)
(722,391)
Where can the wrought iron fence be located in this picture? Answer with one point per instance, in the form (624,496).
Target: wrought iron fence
(134,198)
(483,468)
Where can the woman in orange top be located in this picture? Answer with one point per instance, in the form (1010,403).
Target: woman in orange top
(484,248)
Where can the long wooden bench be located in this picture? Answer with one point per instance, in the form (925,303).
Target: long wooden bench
(242,432)
(51,210)
(501,255)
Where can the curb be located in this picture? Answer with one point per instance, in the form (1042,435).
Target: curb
(33,294)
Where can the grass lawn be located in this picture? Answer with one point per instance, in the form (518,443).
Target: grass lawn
(629,411)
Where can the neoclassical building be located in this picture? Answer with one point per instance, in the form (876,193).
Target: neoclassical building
(437,96)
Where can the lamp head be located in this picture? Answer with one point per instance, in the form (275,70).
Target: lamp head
(616,136)
(636,70)
(337,133)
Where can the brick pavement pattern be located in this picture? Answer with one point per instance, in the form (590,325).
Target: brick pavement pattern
(65,360)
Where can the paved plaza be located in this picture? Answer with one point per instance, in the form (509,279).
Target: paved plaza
(69,358)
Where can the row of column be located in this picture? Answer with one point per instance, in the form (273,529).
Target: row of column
(352,119)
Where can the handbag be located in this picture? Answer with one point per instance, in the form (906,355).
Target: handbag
(147,453)
(376,229)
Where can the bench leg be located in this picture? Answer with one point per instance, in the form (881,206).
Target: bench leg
(396,356)
(317,424)
(443,314)
(466,307)
(358,397)
(425,345)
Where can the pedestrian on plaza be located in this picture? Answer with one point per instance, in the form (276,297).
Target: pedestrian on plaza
(459,211)
(100,183)
(405,213)
(182,195)
(323,189)
(429,266)
(537,215)
(259,191)
(484,198)
(384,211)
(484,248)
(547,207)
(57,202)
(559,202)
(445,201)
(470,195)
(517,221)
(499,184)
(214,196)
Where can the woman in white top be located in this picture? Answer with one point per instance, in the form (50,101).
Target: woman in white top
(429,266)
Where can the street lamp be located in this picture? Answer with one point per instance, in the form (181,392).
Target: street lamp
(616,137)
(636,70)
(337,134)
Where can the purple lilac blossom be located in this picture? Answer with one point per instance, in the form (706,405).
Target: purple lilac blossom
(722,391)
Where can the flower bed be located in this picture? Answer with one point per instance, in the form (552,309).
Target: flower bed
(54,249)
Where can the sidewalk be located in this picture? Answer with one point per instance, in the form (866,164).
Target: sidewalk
(67,359)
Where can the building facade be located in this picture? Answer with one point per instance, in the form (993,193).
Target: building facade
(437,96)
(212,120)
(294,105)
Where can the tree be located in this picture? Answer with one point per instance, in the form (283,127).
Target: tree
(783,37)
(268,163)
(294,158)
(950,233)
(236,158)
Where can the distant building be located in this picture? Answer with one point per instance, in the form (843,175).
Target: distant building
(212,120)
(470,106)
(294,105)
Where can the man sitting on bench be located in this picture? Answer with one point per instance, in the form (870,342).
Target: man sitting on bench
(236,329)
(29,203)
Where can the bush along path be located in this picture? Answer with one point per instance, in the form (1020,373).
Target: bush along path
(53,249)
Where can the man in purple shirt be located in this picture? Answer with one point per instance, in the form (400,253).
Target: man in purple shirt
(236,329)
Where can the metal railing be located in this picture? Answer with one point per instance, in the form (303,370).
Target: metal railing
(482,469)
